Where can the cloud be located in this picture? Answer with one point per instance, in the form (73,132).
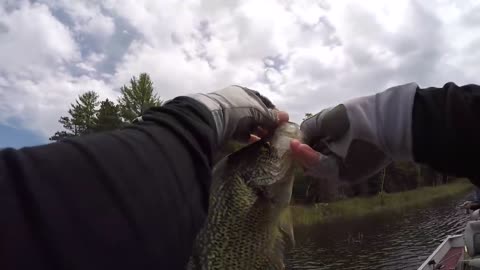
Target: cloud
(26,47)
(36,81)
(304,55)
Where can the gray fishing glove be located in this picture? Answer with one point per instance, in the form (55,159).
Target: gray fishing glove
(238,112)
(362,136)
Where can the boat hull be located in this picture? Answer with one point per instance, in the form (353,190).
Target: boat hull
(447,255)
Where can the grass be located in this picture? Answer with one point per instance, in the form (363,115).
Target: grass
(359,207)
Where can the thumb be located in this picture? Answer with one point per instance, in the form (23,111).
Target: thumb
(328,125)
(270,118)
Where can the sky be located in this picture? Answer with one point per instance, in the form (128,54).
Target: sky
(304,55)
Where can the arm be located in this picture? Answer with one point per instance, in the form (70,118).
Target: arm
(435,126)
(446,128)
(128,199)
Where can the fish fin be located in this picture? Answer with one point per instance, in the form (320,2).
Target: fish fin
(283,242)
(285,227)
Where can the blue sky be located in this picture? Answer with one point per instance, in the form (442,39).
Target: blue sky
(17,138)
(304,55)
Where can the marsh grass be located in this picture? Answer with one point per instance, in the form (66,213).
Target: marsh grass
(359,207)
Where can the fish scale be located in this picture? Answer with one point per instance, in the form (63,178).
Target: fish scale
(250,192)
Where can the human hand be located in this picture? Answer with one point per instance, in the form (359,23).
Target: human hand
(358,138)
(241,114)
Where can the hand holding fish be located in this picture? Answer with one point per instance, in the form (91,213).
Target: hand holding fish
(360,137)
(240,113)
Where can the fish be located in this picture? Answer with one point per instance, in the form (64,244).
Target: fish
(248,224)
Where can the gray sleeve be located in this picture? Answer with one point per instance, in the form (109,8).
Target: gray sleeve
(385,118)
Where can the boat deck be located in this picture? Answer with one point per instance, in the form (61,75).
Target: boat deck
(447,255)
(450,260)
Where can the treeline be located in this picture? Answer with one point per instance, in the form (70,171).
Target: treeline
(396,177)
(89,115)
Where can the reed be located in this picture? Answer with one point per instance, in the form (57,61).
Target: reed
(360,207)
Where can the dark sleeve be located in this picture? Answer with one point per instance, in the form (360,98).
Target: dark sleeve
(128,199)
(446,129)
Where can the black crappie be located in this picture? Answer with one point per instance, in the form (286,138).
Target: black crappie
(248,224)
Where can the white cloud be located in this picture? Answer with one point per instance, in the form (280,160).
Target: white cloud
(87,16)
(304,55)
(36,86)
(32,39)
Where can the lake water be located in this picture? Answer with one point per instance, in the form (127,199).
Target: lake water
(391,241)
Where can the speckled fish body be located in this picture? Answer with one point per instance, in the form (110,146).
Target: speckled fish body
(248,224)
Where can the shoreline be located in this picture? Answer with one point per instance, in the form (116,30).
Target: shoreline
(366,206)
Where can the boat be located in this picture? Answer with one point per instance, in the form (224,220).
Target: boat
(459,251)
(447,255)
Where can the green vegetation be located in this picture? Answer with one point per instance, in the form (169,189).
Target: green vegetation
(138,97)
(396,177)
(89,115)
(107,117)
(82,117)
(359,207)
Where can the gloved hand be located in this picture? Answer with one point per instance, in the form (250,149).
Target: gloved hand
(240,113)
(360,137)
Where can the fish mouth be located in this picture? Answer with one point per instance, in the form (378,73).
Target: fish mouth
(282,137)
(291,130)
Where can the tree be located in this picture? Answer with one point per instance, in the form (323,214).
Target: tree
(84,112)
(67,124)
(108,117)
(307,115)
(82,117)
(137,97)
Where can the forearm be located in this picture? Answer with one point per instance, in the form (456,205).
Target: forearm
(132,198)
(446,128)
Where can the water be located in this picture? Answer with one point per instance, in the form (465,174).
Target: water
(392,241)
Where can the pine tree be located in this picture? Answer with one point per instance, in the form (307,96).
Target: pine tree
(82,117)
(70,129)
(138,97)
(108,117)
(84,112)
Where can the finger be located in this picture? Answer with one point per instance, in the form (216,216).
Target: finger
(282,117)
(304,153)
(266,119)
(263,131)
(311,127)
(331,123)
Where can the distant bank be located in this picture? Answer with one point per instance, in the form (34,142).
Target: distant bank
(359,207)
